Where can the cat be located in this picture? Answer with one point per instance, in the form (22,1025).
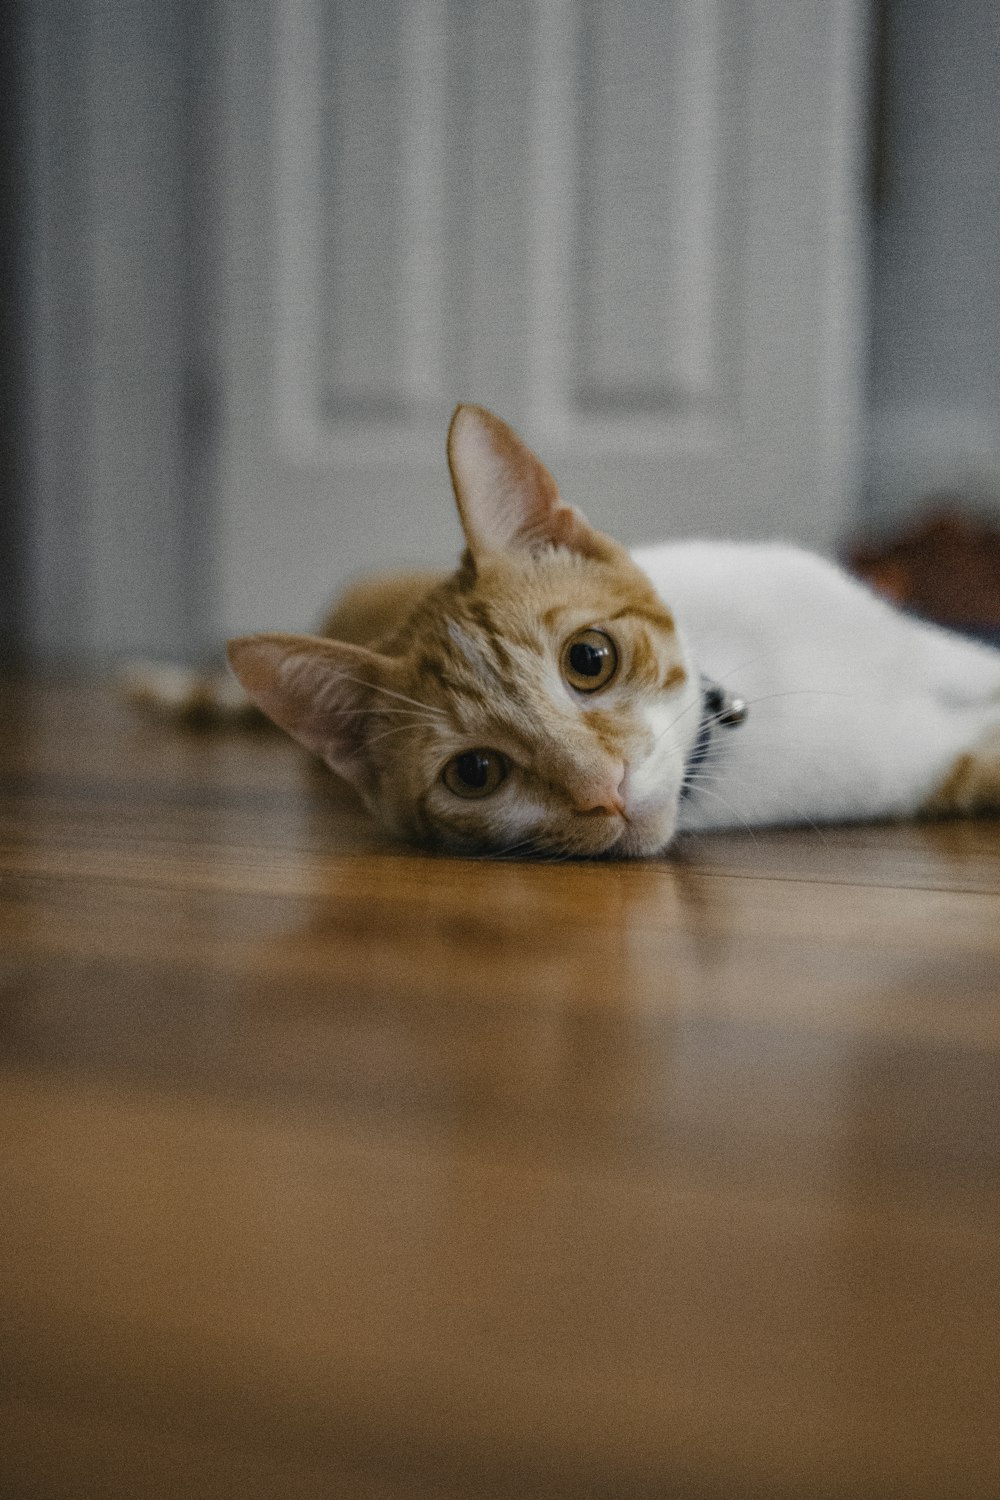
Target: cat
(560,695)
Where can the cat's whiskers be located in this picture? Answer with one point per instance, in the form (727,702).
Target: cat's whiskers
(391,693)
(723,677)
(720,717)
(706,791)
(805,753)
(700,781)
(698,703)
(537,847)
(550,856)
(804,693)
(396,729)
(754,661)
(730,769)
(772,656)
(521,846)
(381,711)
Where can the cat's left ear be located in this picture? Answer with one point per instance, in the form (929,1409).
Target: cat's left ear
(507,498)
(322,692)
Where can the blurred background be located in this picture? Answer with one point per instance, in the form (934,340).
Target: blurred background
(731,268)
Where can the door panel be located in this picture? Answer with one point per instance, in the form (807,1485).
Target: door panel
(631,228)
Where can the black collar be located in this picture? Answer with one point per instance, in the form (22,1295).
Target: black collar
(717,708)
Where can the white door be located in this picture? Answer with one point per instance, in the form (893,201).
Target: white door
(629,226)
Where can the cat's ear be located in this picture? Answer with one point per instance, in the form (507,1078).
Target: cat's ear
(507,498)
(320,691)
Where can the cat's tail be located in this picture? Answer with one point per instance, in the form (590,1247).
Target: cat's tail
(187,694)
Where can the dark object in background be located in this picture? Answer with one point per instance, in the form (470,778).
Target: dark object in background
(945,565)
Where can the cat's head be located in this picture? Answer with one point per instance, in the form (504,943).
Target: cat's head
(540,700)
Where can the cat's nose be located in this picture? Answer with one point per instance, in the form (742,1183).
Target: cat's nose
(606,802)
(603,796)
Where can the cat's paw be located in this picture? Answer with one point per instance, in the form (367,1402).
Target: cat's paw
(973,783)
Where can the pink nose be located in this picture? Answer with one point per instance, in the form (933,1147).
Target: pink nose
(601,802)
(602,797)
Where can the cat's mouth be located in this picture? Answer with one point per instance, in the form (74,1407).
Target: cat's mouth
(639,836)
(642,840)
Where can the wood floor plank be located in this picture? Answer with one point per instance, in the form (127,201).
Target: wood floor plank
(55,1454)
(331,1168)
(555,1309)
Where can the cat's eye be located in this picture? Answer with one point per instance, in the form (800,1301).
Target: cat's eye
(589,660)
(475,773)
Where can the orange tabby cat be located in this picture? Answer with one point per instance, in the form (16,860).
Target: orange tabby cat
(542,698)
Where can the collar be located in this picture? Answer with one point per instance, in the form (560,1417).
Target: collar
(717,708)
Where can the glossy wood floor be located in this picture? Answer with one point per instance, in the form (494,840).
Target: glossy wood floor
(327,1169)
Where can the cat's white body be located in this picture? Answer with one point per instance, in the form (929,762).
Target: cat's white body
(855,710)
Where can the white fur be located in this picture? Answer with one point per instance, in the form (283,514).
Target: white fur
(856,711)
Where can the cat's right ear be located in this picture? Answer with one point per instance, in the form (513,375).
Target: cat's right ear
(319,691)
(507,499)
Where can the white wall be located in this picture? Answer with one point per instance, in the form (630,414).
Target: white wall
(118,325)
(936,264)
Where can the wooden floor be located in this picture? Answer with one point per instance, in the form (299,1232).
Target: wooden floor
(327,1169)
